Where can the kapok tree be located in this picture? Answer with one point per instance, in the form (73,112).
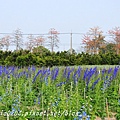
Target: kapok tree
(18,39)
(39,41)
(93,40)
(6,41)
(30,43)
(115,34)
(53,39)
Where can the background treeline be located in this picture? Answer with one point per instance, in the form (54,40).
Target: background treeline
(97,49)
(43,57)
(93,41)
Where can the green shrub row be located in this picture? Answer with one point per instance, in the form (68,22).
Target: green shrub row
(63,58)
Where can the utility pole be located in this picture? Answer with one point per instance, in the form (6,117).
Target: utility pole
(71,43)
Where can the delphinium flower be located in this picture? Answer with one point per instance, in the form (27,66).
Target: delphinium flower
(8,72)
(88,74)
(82,114)
(43,73)
(52,73)
(76,75)
(11,70)
(25,73)
(34,79)
(79,71)
(30,72)
(5,70)
(0,98)
(48,71)
(85,74)
(46,80)
(107,81)
(37,100)
(95,83)
(75,80)
(15,105)
(1,70)
(103,71)
(4,96)
(29,68)
(110,70)
(21,74)
(65,72)
(96,73)
(56,102)
(33,68)
(119,101)
(61,83)
(55,73)
(68,74)
(115,71)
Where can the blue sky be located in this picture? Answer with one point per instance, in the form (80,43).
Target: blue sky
(38,16)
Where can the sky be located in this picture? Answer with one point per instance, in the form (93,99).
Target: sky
(66,16)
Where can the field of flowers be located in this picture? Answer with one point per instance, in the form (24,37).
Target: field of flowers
(59,93)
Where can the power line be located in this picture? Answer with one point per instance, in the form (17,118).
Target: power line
(66,33)
(62,33)
(23,34)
